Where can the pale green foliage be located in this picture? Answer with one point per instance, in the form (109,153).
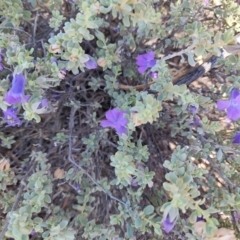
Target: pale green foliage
(183,190)
(147,108)
(6,141)
(139,208)
(13,12)
(56,20)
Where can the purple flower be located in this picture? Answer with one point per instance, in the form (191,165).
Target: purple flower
(154,75)
(116,119)
(33,232)
(232,105)
(77,187)
(16,93)
(145,61)
(168,224)
(1,67)
(134,182)
(43,103)
(10,116)
(91,64)
(236,138)
(199,219)
(192,109)
(196,123)
(54,60)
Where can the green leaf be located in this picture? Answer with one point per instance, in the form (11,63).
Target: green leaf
(148,210)
(63,224)
(171,177)
(138,222)
(219,154)
(199,51)
(100,36)
(105,10)
(129,231)
(157,229)
(33,3)
(126,21)
(191,60)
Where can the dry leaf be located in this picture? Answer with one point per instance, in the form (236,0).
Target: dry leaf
(136,121)
(59,173)
(4,165)
(55,48)
(102,62)
(199,227)
(150,184)
(62,74)
(224,234)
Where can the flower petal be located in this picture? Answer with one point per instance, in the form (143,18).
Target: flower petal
(236,138)
(91,64)
(111,115)
(152,63)
(234,93)
(149,56)
(16,93)
(107,123)
(142,69)
(168,225)
(154,75)
(222,104)
(10,116)
(121,130)
(233,113)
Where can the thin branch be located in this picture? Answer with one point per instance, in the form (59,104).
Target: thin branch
(16,29)
(71,160)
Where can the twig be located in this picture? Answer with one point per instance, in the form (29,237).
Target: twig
(34,35)
(180,53)
(221,174)
(15,29)
(35,27)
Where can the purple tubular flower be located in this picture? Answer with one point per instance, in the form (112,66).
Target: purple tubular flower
(236,138)
(192,109)
(145,61)
(116,119)
(10,116)
(232,105)
(91,64)
(43,103)
(154,75)
(196,123)
(134,182)
(168,224)
(16,93)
